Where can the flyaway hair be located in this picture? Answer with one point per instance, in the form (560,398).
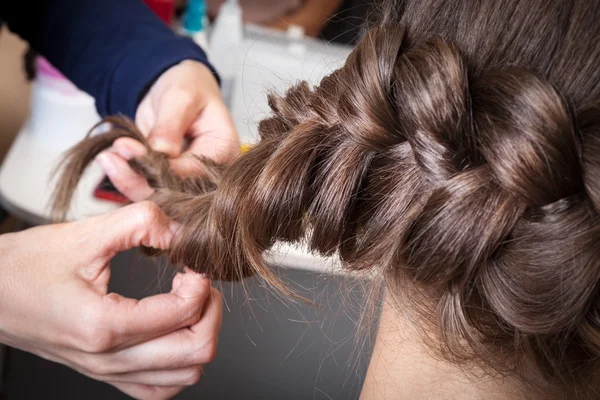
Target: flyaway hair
(456,153)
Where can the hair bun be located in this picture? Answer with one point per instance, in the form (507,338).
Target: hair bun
(478,187)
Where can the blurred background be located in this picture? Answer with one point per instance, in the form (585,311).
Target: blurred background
(270,348)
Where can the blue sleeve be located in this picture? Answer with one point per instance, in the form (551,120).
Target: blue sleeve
(112,49)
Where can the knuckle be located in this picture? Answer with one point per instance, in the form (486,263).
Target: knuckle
(148,213)
(192,315)
(193,376)
(124,185)
(206,353)
(94,337)
(211,352)
(98,341)
(95,367)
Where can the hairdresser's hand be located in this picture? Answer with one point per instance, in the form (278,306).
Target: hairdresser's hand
(183,113)
(55,304)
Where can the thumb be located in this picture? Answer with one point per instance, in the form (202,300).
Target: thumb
(174,116)
(139,224)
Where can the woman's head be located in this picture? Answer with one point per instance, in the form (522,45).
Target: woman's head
(457,155)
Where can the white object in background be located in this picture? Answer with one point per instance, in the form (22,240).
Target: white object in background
(60,116)
(297,256)
(295,34)
(201,39)
(273,61)
(225,42)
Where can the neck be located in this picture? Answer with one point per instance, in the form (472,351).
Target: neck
(402,367)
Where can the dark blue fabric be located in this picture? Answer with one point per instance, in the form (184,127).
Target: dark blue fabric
(112,49)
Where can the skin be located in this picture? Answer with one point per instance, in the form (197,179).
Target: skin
(184,105)
(55,304)
(55,277)
(312,16)
(403,367)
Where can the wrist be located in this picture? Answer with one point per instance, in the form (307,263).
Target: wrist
(211,76)
(142,66)
(207,70)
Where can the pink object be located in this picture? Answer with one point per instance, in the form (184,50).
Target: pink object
(50,77)
(45,68)
(165,9)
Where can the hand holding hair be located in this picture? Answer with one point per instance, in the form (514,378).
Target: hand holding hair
(182,114)
(150,348)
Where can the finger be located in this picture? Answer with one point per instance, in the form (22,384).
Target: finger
(139,224)
(144,117)
(129,148)
(137,321)
(101,237)
(134,186)
(170,377)
(214,135)
(183,348)
(212,317)
(176,111)
(147,392)
(187,165)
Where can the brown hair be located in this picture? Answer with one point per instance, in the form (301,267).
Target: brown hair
(457,153)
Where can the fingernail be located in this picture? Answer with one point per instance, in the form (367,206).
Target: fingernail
(106,163)
(164,146)
(200,275)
